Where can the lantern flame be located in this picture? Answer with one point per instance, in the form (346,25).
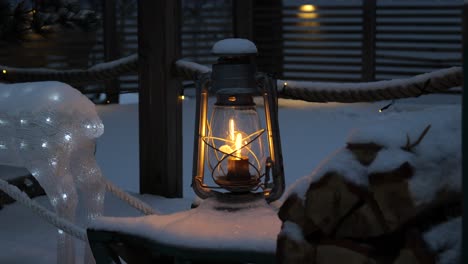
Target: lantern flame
(231,128)
(238,145)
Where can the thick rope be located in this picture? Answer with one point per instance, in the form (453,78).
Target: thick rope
(132,201)
(97,73)
(43,212)
(63,224)
(440,80)
(190,70)
(431,82)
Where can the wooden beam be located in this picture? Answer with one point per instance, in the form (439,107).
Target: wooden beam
(242,19)
(268,36)
(465,128)
(111,50)
(160,107)
(368,39)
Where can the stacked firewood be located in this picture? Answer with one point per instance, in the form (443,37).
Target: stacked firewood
(340,221)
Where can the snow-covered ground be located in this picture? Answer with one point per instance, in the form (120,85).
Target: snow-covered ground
(309,133)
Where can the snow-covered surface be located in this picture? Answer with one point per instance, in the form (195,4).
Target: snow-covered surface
(292,231)
(437,161)
(379,85)
(253,228)
(309,133)
(111,64)
(446,239)
(192,66)
(234,46)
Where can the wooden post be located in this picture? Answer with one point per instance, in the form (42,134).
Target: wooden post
(268,35)
(160,107)
(242,19)
(111,50)
(368,40)
(465,127)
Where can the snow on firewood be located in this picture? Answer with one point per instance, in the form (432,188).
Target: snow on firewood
(436,158)
(446,239)
(292,231)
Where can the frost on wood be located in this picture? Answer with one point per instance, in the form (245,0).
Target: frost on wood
(398,180)
(234,46)
(50,129)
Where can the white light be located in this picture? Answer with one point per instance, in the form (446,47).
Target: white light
(64,196)
(44,145)
(88,126)
(67,137)
(2,146)
(22,121)
(54,97)
(23,145)
(2,122)
(48,120)
(60,231)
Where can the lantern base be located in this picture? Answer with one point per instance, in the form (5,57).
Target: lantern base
(239,185)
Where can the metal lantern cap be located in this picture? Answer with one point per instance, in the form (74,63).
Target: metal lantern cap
(235,66)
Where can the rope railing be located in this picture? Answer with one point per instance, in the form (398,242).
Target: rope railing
(436,81)
(64,224)
(432,82)
(97,73)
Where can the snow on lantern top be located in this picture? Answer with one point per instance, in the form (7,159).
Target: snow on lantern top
(234,46)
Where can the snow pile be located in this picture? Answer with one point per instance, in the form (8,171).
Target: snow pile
(210,226)
(446,239)
(437,158)
(234,46)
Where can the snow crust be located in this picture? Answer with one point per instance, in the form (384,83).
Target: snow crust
(234,46)
(253,228)
(446,239)
(292,230)
(111,64)
(436,159)
(379,85)
(193,66)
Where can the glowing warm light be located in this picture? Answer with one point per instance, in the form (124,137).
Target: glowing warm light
(231,129)
(285,84)
(238,145)
(307,15)
(4,71)
(307,8)
(380,110)
(182,97)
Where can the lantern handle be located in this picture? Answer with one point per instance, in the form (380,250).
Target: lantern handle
(269,90)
